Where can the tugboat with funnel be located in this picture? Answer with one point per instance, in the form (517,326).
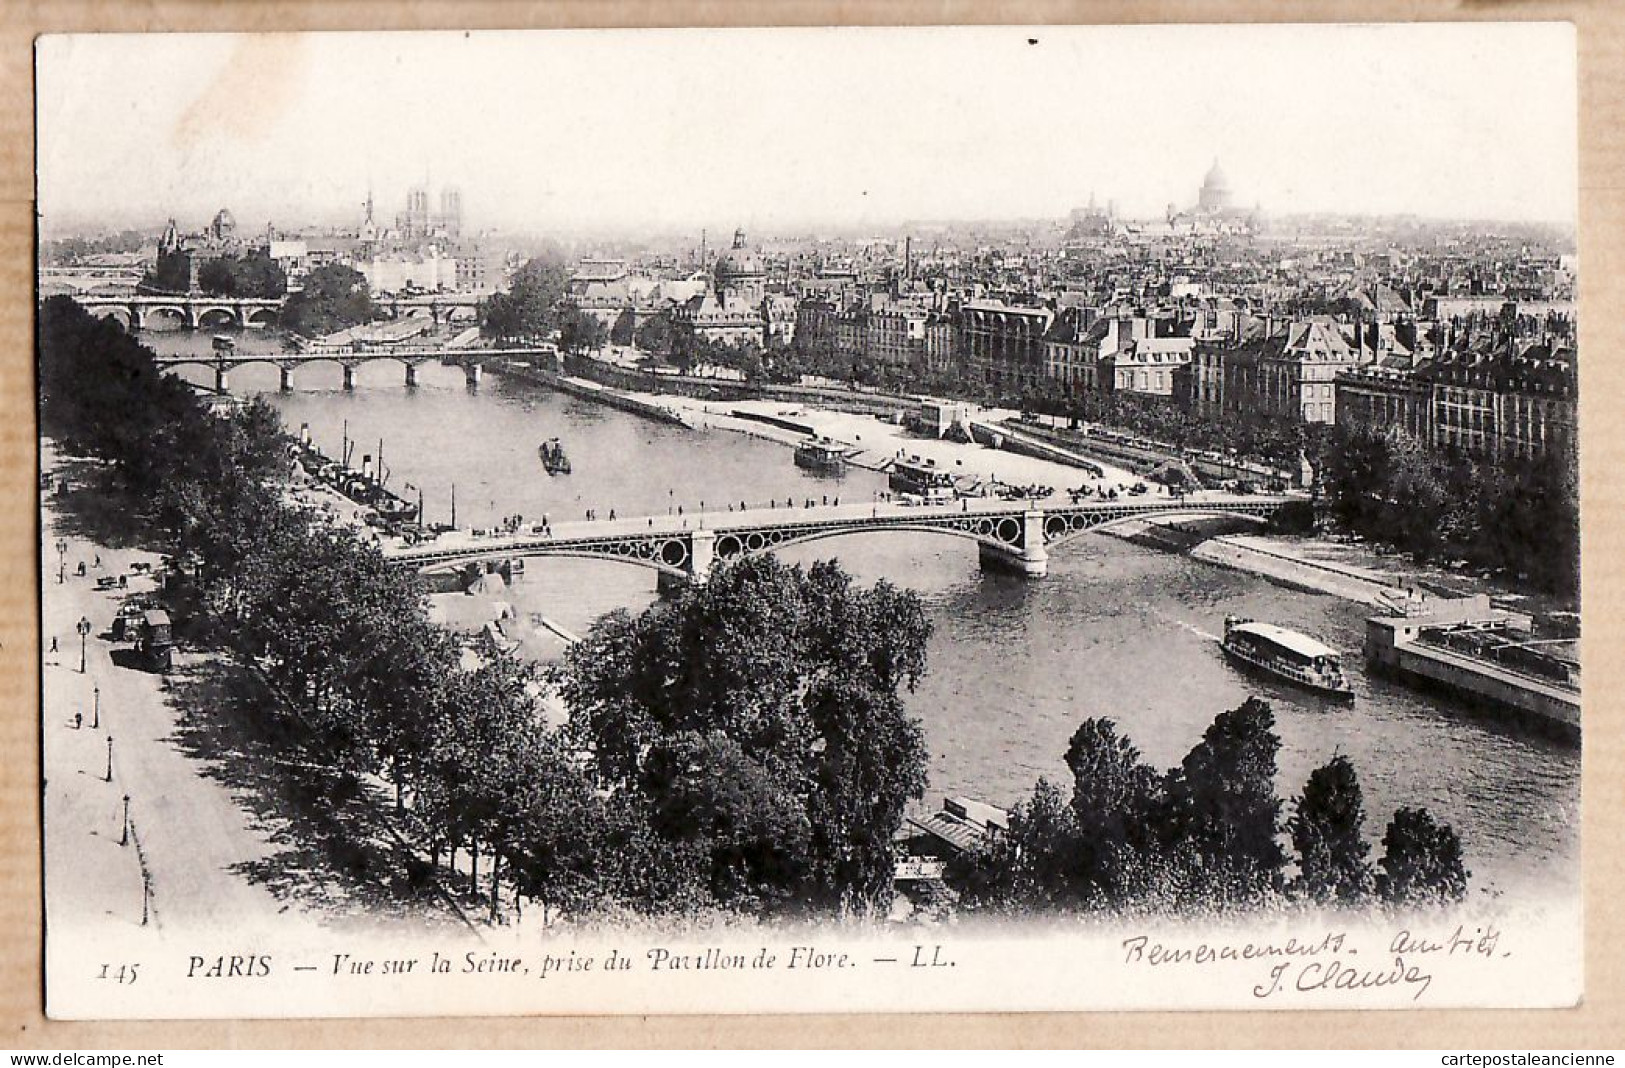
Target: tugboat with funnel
(553,458)
(1287,655)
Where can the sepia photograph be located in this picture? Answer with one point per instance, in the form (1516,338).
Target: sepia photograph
(809,520)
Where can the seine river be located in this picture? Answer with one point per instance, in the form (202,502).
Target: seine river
(1114,630)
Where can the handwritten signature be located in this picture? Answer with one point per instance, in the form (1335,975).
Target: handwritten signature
(1325,963)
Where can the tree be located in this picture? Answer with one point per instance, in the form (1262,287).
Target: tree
(1221,812)
(623,332)
(1421,862)
(171,273)
(1327,835)
(655,335)
(253,275)
(1113,797)
(529,309)
(763,706)
(334,297)
(1033,867)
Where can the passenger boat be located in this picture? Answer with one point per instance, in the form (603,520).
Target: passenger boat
(821,454)
(553,458)
(1286,654)
(921,478)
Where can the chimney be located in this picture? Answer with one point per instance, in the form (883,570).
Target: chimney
(304,434)
(366,466)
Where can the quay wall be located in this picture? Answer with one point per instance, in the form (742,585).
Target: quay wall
(731,390)
(1024,444)
(595,392)
(1142,460)
(1431,667)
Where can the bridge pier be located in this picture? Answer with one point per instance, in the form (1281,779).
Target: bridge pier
(222,380)
(349,376)
(702,554)
(472,372)
(411,374)
(287,379)
(1030,559)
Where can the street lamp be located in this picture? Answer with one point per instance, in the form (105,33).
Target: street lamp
(96,716)
(83,627)
(61,561)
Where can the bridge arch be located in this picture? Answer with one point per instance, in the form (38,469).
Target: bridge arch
(662,559)
(117,313)
(262,317)
(1002,532)
(1061,527)
(166,317)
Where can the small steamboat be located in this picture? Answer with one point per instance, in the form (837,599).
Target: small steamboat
(1287,655)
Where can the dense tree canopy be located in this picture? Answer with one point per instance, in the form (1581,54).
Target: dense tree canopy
(756,720)
(580,332)
(1387,486)
(530,308)
(1204,836)
(334,297)
(253,275)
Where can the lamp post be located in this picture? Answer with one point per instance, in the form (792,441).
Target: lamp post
(83,627)
(124,832)
(96,715)
(109,758)
(61,561)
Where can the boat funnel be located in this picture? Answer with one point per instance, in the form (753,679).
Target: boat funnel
(304,434)
(366,465)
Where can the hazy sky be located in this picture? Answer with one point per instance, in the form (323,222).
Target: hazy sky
(778,129)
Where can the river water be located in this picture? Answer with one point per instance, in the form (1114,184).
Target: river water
(1114,630)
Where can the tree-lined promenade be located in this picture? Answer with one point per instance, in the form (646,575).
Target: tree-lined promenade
(769,776)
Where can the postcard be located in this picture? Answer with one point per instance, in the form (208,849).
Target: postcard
(809,520)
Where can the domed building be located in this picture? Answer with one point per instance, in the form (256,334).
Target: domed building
(224,225)
(736,309)
(1215,196)
(739,273)
(1215,211)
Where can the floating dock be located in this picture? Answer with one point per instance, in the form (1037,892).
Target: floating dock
(1487,657)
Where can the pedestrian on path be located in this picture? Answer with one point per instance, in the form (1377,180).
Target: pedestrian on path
(78,720)
(53,643)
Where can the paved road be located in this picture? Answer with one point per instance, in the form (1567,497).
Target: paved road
(193,832)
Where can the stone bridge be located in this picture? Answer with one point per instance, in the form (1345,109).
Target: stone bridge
(1010,536)
(198,311)
(191,310)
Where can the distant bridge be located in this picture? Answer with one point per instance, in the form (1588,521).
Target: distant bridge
(198,311)
(136,311)
(1011,536)
(471,360)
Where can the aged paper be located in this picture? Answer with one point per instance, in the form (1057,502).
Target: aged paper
(211,947)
